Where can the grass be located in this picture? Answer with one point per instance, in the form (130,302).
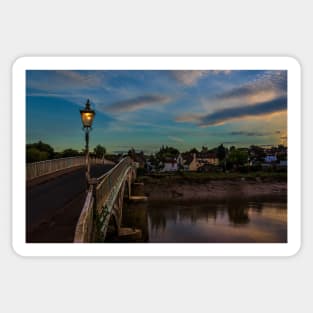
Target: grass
(195,177)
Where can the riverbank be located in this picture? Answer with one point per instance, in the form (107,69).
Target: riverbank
(201,186)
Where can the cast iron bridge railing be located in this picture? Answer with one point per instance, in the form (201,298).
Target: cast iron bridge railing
(104,201)
(41,168)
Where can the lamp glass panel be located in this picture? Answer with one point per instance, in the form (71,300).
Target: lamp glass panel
(87,118)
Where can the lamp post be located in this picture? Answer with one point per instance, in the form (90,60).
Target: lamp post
(87,116)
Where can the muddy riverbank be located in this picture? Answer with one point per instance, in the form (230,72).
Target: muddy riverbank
(181,189)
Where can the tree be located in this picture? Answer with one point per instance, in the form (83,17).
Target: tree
(167,152)
(132,153)
(193,150)
(41,146)
(99,151)
(237,157)
(35,155)
(38,151)
(257,152)
(67,153)
(221,153)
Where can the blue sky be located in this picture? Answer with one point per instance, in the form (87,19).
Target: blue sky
(146,109)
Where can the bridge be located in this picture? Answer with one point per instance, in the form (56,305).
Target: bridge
(60,209)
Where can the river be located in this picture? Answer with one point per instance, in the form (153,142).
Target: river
(230,221)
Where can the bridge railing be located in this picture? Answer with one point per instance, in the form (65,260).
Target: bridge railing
(102,190)
(41,168)
(84,226)
(107,183)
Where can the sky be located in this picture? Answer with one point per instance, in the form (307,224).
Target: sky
(146,109)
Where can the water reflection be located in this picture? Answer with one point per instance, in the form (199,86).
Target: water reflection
(136,216)
(238,214)
(230,221)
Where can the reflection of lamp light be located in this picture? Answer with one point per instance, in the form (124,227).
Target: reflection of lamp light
(87,116)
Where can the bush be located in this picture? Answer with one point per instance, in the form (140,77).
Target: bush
(35,155)
(67,153)
(243,169)
(256,168)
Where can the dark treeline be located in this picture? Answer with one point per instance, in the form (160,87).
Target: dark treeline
(41,151)
(228,158)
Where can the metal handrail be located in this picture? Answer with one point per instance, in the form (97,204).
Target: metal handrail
(102,192)
(84,226)
(104,189)
(41,168)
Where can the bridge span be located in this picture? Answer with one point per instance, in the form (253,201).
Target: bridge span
(104,203)
(58,208)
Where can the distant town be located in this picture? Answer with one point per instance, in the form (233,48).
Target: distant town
(170,159)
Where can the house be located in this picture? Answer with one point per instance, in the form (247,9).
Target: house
(194,164)
(207,157)
(180,160)
(170,165)
(212,159)
(203,158)
(183,161)
(270,158)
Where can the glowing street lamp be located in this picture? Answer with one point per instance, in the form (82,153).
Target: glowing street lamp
(87,116)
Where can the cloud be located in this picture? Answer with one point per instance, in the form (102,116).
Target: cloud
(251,134)
(81,78)
(249,93)
(137,103)
(176,139)
(226,72)
(189,118)
(265,87)
(64,80)
(264,95)
(224,115)
(73,76)
(228,114)
(190,77)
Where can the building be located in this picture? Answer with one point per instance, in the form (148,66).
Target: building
(270,158)
(170,165)
(202,158)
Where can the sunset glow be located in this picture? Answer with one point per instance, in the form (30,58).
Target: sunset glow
(146,109)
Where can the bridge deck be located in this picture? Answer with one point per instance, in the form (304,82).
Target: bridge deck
(53,206)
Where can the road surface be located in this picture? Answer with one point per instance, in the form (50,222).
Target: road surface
(53,206)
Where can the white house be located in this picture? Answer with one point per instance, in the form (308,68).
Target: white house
(180,160)
(170,166)
(270,159)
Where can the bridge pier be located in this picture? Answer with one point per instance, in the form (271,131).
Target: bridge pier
(138,194)
(138,189)
(128,234)
(135,218)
